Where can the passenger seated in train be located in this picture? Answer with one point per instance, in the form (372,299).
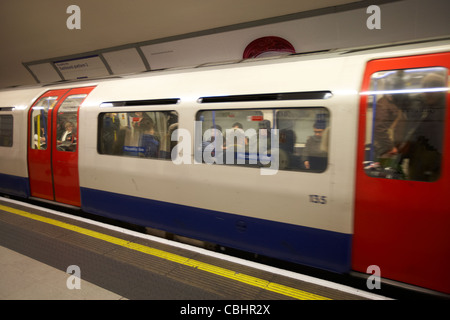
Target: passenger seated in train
(111,134)
(238,128)
(235,142)
(132,131)
(148,143)
(213,146)
(68,139)
(315,156)
(40,141)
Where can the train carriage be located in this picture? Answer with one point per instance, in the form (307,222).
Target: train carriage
(282,157)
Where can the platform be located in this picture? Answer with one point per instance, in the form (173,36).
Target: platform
(38,246)
(24,278)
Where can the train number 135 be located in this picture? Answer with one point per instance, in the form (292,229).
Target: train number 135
(315,198)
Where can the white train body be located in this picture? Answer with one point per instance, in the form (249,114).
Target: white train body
(238,189)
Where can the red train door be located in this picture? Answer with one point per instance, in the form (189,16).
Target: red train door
(53,145)
(65,146)
(402,208)
(39,142)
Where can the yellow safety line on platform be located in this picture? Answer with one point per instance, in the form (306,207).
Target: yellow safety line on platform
(256,282)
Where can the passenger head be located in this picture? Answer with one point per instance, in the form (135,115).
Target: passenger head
(237,125)
(320,125)
(216,127)
(395,84)
(431,81)
(69,126)
(318,128)
(215,130)
(147,125)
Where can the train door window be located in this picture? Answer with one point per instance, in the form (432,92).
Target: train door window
(66,123)
(39,122)
(6,131)
(405,123)
(298,136)
(137,134)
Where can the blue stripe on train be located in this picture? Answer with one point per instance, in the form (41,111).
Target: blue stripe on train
(14,185)
(309,246)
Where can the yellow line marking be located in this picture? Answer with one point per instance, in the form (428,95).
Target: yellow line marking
(253,281)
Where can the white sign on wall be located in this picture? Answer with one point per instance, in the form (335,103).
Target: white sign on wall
(87,67)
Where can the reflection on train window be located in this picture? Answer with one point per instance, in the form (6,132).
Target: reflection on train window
(6,131)
(66,119)
(250,137)
(137,134)
(405,124)
(39,122)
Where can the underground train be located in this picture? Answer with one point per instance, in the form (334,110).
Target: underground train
(337,160)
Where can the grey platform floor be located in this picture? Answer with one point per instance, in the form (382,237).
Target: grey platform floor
(34,257)
(24,278)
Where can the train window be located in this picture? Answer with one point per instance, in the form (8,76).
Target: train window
(249,137)
(405,123)
(6,131)
(39,122)
(66,119)
(137,134)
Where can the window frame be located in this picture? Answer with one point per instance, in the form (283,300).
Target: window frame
(397,165)
(135,151)
(275,110)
